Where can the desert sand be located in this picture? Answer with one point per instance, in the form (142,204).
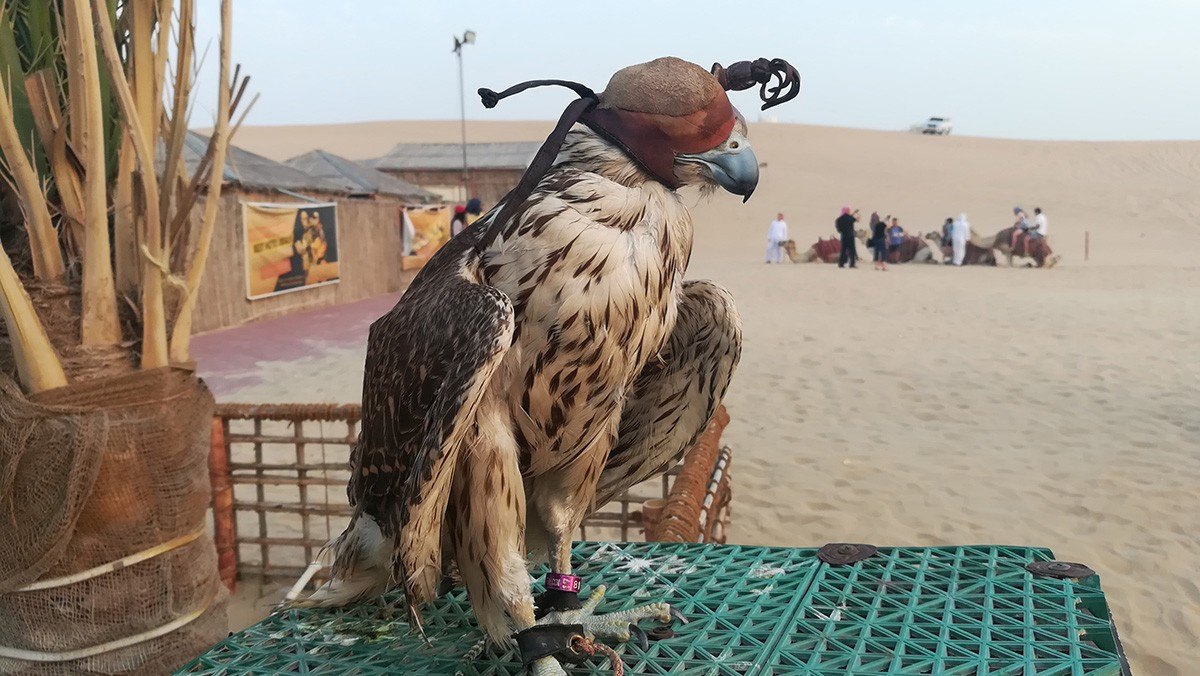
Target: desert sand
(930,405)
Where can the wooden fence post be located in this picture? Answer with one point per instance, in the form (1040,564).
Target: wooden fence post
(222,505)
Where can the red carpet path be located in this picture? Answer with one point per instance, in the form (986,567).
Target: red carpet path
(228,359)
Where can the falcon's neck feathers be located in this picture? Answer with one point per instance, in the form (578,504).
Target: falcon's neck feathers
(587,151)
(601,185)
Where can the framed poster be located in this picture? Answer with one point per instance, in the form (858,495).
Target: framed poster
(289,247)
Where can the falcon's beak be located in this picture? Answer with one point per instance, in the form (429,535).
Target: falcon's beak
(733,164)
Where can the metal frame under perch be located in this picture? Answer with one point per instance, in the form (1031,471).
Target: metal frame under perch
(279,474)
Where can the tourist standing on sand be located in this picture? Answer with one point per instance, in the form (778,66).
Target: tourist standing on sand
(946,228)
(777,234)
(1039,223)
(895,235)
(879,244)
(959,234)
(845,227)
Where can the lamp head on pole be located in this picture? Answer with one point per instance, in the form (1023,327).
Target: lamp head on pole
(468,38)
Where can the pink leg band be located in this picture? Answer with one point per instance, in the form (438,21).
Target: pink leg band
(560,582)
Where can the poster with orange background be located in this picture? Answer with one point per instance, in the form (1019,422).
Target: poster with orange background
(431,226)
(289,247)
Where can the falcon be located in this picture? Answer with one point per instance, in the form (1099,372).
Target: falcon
(550,356)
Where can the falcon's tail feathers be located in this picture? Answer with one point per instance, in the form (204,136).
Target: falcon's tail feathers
(362,567)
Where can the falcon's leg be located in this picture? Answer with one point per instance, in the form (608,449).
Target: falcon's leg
(560,500)
(487,518)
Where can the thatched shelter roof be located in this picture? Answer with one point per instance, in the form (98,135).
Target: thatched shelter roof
(255,172)
(448,156)
(358,178)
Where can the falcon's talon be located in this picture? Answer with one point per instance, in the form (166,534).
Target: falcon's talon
(679,615)
(642,638)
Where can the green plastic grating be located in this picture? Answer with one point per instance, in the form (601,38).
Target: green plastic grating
(753,610)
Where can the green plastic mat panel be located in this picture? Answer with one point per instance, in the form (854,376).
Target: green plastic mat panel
(753,610)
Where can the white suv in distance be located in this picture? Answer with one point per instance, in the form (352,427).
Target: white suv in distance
(936,125)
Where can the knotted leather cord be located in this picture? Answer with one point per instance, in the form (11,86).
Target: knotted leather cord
(746,74)
(491,98)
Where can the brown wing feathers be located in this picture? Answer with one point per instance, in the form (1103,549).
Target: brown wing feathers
(429,361)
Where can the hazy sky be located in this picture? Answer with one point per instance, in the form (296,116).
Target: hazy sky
(1079,69)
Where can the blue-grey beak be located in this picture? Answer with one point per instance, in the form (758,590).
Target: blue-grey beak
(733,165)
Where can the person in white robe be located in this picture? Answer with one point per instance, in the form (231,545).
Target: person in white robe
(407,233)
(777,234)
(959,235)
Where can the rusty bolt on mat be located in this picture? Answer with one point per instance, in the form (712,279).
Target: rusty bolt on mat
(845,553)
(1062,570)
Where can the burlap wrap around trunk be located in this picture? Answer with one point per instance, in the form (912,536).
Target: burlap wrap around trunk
(91,474)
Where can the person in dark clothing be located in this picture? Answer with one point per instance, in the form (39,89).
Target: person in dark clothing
(845,227)
(879,244)
(946,227)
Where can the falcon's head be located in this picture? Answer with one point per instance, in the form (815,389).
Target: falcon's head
(670,116)
(676,121)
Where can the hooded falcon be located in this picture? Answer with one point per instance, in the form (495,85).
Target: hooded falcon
(550,356)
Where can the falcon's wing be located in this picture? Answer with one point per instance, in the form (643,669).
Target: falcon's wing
(428,363)
(672,402)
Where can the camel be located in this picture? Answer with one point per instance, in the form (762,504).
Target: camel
(911,250)
(1036,248)
(978,253)
(824,251)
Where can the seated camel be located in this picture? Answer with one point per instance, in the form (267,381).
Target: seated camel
(977,254)
(824,251)
(1036,248)
(911,250)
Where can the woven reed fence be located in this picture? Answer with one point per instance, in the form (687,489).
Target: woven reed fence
(279,474)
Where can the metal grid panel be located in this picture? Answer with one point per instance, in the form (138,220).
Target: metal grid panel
(754,610)
(949,610)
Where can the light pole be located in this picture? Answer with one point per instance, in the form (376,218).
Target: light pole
(468,38)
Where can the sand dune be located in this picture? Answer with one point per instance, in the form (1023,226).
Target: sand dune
(930,405)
